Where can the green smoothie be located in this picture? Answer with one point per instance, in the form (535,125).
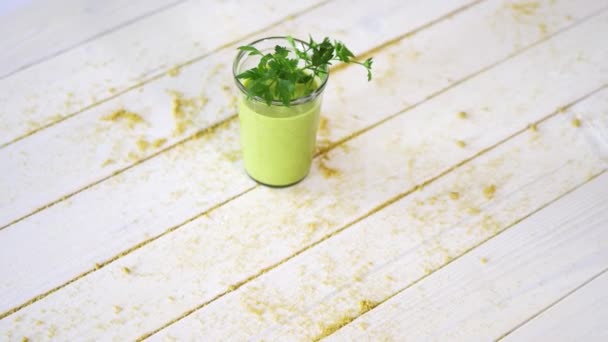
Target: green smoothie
(278,142)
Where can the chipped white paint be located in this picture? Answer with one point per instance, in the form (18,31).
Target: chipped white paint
(508,279)
(205,257)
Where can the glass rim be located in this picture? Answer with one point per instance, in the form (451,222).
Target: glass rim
(299,100)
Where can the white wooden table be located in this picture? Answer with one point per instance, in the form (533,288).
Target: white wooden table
(461,195)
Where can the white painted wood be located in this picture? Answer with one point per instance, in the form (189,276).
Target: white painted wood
(303,298)
(33,31)
(95,148)
(209,255)
(158,194)
(75,221)
(97,70)
(506,280)
(580,316)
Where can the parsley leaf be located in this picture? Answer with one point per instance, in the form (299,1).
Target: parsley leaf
(276,76)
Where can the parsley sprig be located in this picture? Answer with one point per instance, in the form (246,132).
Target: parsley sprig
(279,75)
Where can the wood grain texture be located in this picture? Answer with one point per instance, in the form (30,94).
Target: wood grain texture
(579,317)
(170,275)
(501,283)
(33,31)
(334,282)
(163,192)
(98,70)
(96,148)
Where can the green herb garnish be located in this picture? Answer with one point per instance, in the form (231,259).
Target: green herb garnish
(277,76)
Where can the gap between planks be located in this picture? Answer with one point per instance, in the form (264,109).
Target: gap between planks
(560,299)
(223,123)
(228,120)
(486,240)
(163,74)
(382,206)
(88,40)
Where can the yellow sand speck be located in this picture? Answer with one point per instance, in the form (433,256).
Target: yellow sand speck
(232,156)
(126,270)
(543,28)
(142,144)
(173,72)
(25,339)
(454,195)
(461,143)
(525,8)
(51,332)
(180,127)
(39,322)
(117,309)
(473,211)
(533,127)
(97,266)
(255,307)
(56,117)
(107,162)
(364,306)
(176,102)
(209,131)
(232,102)
(489,191)
(483,260)
(312,226)
(462,115)
(327,171)
(131,118)
(322,145)
(111,90)
(576,122)
(184,109)
(159,142)
(323,129)
(133,156)
(490,224)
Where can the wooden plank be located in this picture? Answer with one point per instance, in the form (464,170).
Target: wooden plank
(165,191)
(37,30)
(505,280)
(169,276)
(99,70)
(96,148)
(579,317)
(329,285)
